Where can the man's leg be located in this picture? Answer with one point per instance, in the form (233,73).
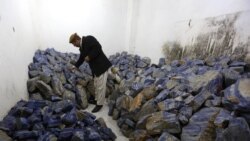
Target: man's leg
(100,90)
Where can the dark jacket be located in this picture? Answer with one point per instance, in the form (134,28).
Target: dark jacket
(98,63)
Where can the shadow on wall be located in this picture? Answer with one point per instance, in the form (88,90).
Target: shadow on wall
(211,37)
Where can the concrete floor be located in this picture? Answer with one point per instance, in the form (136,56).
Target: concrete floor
(109,121)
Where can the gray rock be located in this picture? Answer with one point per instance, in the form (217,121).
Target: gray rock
(46,78)
(158,73)
(146,60)
(124,102)
(141,124)
(211,80)
(189,99)
(199,99)
(161,121)
(147,108)
(101,122)
(162,95)
(34,73)
(69,95)
(45,89)
(170,104)
(201,126)
(116,114)
(165,136)
(35,96)
(4,136)
(78,136)
(185,114)
(215,102)
(81,97)
(230,76)
(139,135)
(61,77)
(239,69)
(222,119)
(238,130)
(31,84)
(57,86)
(236,97)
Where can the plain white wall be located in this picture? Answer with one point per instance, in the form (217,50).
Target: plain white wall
(17,47)
(156,20)
(56,20)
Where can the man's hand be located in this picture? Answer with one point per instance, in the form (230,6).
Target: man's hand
(87,59)
(73,68)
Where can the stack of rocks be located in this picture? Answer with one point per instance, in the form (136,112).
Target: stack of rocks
(185,100)
(41,120)
(52,79)
(57,97)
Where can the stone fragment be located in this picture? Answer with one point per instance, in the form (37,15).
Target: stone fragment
(57,86)
(81,96)
(170,104)
(161,121)
(201,126)
(147,108)
(139,135)
(230,77)
(222,119)
(31,84)
(211,80)
(199,99)
(68,95)
(4,136)
(124,102)
(25,134)
(136,102)
(45,89)
(165,136)
(236,97)
(238,129)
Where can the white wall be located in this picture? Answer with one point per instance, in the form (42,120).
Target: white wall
(157,20)
(56,20)
(17,46)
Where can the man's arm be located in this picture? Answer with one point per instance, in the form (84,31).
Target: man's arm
(80,60)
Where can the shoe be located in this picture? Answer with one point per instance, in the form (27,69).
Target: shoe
(97,108)
(92,102)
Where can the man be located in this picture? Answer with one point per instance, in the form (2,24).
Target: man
(91,52)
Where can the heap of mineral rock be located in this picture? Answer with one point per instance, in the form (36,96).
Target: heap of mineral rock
(55,108)
(186,100)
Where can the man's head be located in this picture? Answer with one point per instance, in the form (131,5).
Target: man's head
(75,40)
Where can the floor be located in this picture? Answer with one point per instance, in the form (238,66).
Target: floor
(109,121)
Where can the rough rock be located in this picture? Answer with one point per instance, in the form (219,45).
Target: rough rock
(199,99)
(165,136)
(161,121)
(237,130)
(211,80)
(170,104)
(236,97)
(81,96)
(148,108)
(45,89)
(201,126)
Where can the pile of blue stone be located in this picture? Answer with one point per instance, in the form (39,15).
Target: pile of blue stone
(187,100)
(57,97)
